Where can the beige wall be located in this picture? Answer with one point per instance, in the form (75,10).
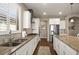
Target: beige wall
(23,8)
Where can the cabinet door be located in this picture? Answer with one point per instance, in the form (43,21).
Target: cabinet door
(59,46)
(35,25)
(69,51)
(63,49)
(20,51)
(62,52)
(66,50)
(27,19)
(56,45)
(30,47)
(35,43)
(23,50)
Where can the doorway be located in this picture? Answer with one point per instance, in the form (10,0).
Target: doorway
(43,30)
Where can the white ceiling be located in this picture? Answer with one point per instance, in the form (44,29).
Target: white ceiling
(52,9)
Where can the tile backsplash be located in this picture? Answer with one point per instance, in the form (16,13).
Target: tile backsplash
(5,38)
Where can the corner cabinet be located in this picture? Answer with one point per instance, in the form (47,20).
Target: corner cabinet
(27,19)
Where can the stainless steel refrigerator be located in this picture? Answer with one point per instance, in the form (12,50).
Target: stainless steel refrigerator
(53,30)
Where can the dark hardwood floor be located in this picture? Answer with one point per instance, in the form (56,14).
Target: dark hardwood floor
(44,42)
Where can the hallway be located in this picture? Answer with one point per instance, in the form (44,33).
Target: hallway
(45,44)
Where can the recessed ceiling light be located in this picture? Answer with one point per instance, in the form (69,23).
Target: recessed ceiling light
(60,13)
(44,13)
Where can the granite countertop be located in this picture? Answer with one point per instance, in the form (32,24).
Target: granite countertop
(71,41)
(9,50)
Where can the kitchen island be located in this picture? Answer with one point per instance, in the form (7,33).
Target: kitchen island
(66,45)
(26,47)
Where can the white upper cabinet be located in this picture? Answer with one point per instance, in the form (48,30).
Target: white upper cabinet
(27,19)
(54,21)
(35,25)
(62,24)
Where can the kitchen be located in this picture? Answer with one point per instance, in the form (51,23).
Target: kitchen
(39,29)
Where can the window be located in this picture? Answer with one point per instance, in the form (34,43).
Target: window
(13,24)
(14,17)
(3,16)
(10,16)
(3,23)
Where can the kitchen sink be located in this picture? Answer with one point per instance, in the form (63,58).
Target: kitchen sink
(14,43)
(10,44)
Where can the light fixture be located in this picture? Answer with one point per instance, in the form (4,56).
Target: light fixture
(71,20)
(60,13)
(44,13)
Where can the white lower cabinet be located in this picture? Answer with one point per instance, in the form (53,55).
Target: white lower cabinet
(28,48)
(62,52)
(56,44)
(23,50)
(61,48)
(68,50)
